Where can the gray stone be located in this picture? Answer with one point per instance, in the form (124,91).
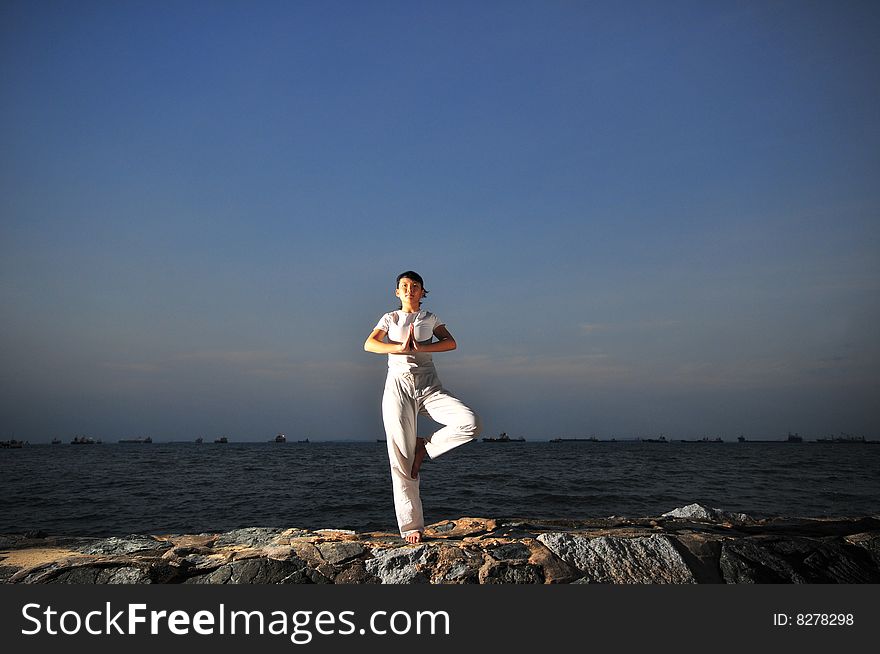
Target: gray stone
(448,564)
(700,512)
(340,551)
(98,574)
(510,552)
(6,572)
(511,573)
(163,572)
(458,571)
(257,571)
(745,561)
(398,565)
(315,577)
(870,542)
(700,552)
(356,573)
(256,537)
(762,560)
(278,551)
(128,575)
(196,563)
(553,569)
(186,551)
(836,561)
(14,541)
(11,541)
(134,544)
(611,560)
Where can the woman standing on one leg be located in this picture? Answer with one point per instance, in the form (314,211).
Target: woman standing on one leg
(412,387)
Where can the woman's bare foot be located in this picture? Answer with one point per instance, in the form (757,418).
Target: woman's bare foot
(414,538)
(419,457)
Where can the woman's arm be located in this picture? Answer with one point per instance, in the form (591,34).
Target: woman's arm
(444,342)
(376,343)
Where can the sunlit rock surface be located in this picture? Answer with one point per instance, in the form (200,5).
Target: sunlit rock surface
(692,544)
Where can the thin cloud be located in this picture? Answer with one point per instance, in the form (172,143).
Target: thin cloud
(593,327)
(133,367)
(609,371)
(584,368)
(597,327)
(257,363)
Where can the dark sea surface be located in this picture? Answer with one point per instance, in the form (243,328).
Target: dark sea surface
(117,489)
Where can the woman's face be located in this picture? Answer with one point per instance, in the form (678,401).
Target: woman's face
(410,291)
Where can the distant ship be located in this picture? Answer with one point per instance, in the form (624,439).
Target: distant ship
(305,440)
(222,439)
(843,438)
(705,439)
(280,438)
(792,438)
(56,441)
(661,439)
(504,438)
(591,439)
(83,440)
(136,440)
(200,440)
(12,444)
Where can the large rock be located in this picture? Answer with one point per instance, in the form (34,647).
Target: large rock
(261,571)
(836,561)
(700,553)
(554,569)
(610,560)
(193,541)
(356,573)
(336,552)
(398,565)
(134,544)
(792,560)
(93,574)
(509,551)
(509,572)
(450,564)
(508,563)
(97,573)
(700,512)
(255,537)
(747,562)
(870,542)
(308,552)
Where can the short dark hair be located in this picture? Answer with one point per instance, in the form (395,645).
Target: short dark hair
(416,277)
(413,275)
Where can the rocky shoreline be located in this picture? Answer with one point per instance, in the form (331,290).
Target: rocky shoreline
(693,544)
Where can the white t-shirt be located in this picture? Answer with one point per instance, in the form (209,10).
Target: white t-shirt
(396,324)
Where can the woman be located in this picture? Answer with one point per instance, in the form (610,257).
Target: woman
(413,387)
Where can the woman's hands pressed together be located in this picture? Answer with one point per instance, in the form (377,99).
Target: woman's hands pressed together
(410,344)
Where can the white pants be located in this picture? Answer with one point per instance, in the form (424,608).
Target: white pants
(406,396)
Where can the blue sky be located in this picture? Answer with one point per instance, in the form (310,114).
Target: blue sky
(636,218)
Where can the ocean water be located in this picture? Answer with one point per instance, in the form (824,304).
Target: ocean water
(114,489)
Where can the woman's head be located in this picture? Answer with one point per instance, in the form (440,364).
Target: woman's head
(410,286)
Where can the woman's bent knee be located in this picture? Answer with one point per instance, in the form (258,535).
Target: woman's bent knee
(474,428)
